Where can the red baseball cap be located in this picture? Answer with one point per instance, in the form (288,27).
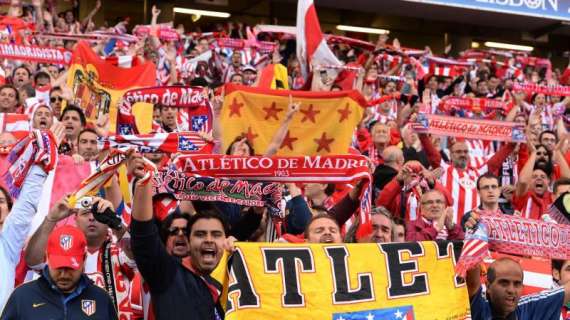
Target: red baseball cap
(66,248)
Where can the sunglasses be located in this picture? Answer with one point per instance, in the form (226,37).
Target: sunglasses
(176,231)
(54,99)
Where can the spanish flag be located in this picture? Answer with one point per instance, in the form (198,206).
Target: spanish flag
(274,76)
(98,86)
(324,124)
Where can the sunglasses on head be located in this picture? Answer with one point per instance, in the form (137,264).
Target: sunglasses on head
(176,231)
(54,99)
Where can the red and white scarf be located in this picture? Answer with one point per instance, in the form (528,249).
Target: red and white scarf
(531,88)
(471,104)
(104,173)
(301,169)
(40,148)
(175,142)
(171,96)
(22,52)
(469,128)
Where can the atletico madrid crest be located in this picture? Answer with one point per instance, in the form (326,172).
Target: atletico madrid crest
(88,307)
(65,242)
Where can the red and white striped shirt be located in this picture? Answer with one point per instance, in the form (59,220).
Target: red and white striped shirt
(462,185)
(531,205)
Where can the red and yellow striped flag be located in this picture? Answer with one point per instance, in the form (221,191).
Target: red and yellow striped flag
(324,124)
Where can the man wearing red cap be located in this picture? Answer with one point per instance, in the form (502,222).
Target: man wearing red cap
(63,291)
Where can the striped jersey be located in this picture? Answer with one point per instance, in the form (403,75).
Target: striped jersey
(462,186)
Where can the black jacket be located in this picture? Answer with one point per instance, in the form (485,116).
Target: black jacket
(41,299)
(176,291)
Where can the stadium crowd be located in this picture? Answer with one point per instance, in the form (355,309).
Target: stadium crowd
(156,264)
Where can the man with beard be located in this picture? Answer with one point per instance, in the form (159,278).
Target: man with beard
(180,288)
(503,300)
(101,251)
(63,291)
(459,178)
(323,228)
(532,197)
(9,99)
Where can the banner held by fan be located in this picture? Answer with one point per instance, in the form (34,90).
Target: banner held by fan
(345,281)
(324,124)
(185,98)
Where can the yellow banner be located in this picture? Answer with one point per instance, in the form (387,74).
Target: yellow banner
(324,124)
(353,281)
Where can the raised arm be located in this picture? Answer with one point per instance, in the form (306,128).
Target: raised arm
(17,224)
(277,139)
(36,248)
(526,172)
(155,265)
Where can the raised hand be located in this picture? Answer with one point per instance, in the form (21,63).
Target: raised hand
(135,164)
(292,108)
(60,210)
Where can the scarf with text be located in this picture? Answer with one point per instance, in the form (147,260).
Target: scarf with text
(22,52)
(175,142)
(469,128)
(168,96)
(38,147)
(298,169)
(188,186)
(477,105)
(517,235)
(531,88)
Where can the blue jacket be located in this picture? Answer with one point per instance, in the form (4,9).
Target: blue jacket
(41,299)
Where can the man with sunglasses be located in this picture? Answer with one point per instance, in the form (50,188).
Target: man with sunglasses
(56,100)
(102,253)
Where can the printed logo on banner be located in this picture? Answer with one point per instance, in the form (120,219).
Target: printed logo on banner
(125,129)
(396,313)
(185,144)
(199,122)
(65,242)
(88,307)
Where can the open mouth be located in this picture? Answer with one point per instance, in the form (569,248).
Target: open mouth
(43,124)
(208,255)
(180,244)
(327,239)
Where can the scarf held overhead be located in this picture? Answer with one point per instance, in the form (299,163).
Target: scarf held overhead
(174,142)
(515,235)
(169,96)
(298,169)
(40,148)
(531,88)
(470,128)
(187,186)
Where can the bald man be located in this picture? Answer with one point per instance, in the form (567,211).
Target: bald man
(503,297)
(393,162)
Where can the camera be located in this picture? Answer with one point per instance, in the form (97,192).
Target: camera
(85,203)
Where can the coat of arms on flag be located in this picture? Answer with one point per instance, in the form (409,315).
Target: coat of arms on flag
(88,307)
(396,313)
(65,242)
